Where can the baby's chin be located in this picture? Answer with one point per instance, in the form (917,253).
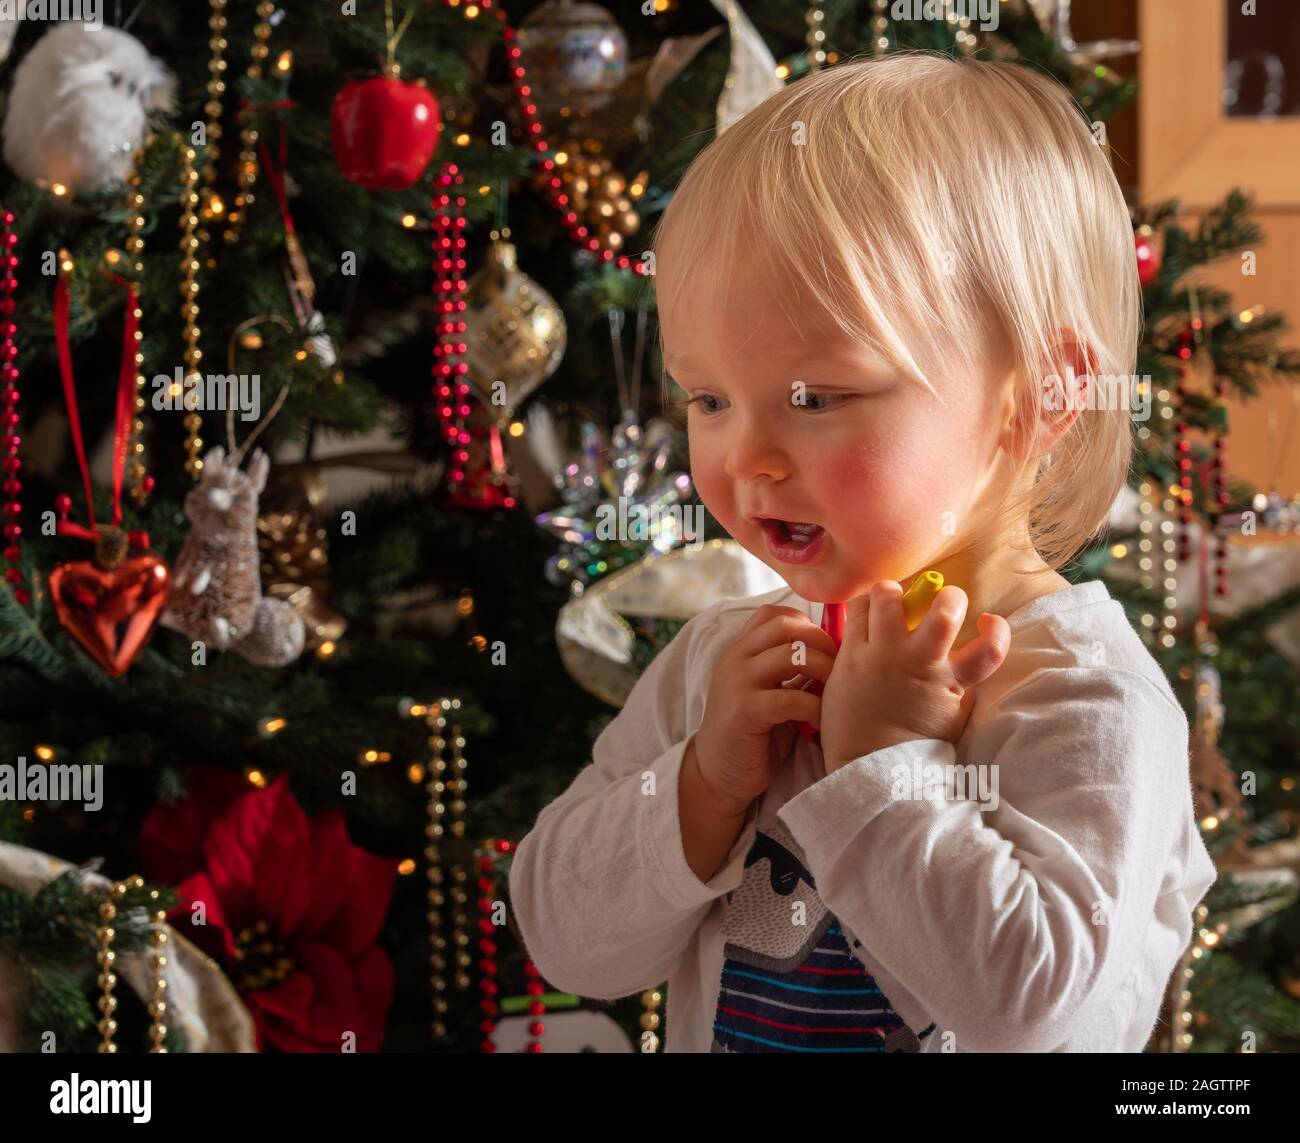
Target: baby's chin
(830,581)
(824,582)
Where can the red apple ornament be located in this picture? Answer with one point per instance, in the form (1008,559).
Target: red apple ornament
(384,131)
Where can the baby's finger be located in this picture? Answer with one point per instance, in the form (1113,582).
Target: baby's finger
(885,620)
(857,613)
(933,639)
(763,614)
(786,630)
(984,654)
(771,708)
(784,661)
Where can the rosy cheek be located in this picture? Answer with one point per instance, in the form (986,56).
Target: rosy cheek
(711,482)
(845,478)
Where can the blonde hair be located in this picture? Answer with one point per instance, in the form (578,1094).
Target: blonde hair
(938,211)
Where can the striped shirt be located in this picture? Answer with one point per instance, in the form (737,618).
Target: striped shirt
(811,996)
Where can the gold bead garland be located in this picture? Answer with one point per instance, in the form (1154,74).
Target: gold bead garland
(434,830)
(193,355)
(157,977)
(216,89)
(1174,1036)
(880,28)
(107,958)
(133,267)
(959,26)
(651,1000)
(816,53)
(107,977)
(246,168)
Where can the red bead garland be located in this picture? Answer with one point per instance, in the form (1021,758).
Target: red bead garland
(536,987)
(450,368)
(537,140)
(1221,496)
(9,396)
(1187,341)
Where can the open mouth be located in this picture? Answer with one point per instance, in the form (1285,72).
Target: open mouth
(792,531)
(793,540)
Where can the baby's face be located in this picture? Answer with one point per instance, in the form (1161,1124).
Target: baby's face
(791,420)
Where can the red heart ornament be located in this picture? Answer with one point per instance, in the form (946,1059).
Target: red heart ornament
(111,612)
(384,132)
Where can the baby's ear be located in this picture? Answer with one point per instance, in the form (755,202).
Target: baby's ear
(1073,355)
(1033,425)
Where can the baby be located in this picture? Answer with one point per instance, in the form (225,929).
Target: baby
(886,293)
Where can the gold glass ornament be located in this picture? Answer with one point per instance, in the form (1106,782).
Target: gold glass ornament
(515,332)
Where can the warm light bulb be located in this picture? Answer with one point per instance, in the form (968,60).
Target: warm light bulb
(268,727)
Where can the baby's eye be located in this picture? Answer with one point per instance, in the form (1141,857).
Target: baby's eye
(818,402)
(703,400)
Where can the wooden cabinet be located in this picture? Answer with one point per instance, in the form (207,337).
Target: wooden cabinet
(1195,147)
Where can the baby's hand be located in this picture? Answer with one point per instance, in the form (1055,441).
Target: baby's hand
(746,731)
(890,685)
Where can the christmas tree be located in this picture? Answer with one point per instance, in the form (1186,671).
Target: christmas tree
(347,244)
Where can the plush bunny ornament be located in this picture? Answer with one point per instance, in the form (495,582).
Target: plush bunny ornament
(81,102)
(216,594)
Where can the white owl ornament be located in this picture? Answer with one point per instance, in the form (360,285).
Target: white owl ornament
(81,103)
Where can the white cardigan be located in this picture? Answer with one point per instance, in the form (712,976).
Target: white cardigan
(1048,919)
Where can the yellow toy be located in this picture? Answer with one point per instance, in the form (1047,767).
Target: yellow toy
(916,602)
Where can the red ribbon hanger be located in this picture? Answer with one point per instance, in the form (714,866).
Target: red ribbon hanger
(122,412)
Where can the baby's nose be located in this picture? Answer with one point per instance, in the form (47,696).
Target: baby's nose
(753,456)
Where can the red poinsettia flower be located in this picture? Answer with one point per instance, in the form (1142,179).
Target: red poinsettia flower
(291,909)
